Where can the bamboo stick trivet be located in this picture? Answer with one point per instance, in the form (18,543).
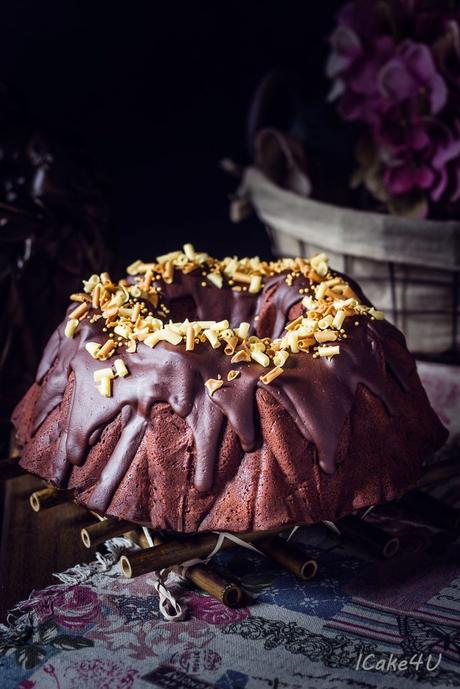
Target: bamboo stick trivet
(171,553)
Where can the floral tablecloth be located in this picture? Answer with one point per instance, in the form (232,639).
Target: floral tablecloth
(360,622)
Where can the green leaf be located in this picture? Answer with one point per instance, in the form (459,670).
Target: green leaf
(29,657)
(47,631)
(68,643)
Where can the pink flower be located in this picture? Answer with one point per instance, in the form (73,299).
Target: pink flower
(396,68)
(411,74)
(416,154)
(209,610)
(76,607)
(355,68)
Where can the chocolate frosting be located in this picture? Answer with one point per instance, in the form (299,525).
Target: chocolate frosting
(318,393)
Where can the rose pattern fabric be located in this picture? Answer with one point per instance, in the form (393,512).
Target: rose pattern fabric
(213,612)
(76,608)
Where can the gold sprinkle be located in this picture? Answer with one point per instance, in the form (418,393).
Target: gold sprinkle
(79,312)
(231,375)
(325,336)
(133,268)
(241,277)
(240,356)
(168,272)
(136,312)
(271,375)
(79,296)
(147,282)
(106,350)
(232,342)
(96,296)
(294,324)
(213,384)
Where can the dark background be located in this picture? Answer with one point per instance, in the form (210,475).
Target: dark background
(156,94)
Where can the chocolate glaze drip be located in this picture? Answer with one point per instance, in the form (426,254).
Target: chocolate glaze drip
(317,393)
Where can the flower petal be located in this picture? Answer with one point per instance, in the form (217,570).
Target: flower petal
(395,82)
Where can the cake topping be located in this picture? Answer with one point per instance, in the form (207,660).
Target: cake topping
(126,307)
(293,340)
(106,350)
(71,327)
(271,375)
(329,351)
(213,384)
(232,374)
(120,368)
(93,348)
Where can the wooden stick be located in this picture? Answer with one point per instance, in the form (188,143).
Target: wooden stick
(202,576)
(178,551)
(290,556)
(101,531)
(9,468)
(433,510)
(47,497)
(228,593)
(370,536)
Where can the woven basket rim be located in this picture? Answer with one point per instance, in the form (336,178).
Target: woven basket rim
(363,234)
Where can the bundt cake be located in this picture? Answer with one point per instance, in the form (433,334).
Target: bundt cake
(232,394)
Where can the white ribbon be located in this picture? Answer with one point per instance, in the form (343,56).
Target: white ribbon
(169,606)
(294,529)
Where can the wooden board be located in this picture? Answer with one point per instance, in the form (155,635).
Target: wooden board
(34,545)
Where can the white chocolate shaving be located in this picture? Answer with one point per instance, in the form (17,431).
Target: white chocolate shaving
(71,327)
(92,348)
(329,351)
(120,368)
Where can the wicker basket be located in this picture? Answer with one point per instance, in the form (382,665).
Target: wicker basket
(408,268)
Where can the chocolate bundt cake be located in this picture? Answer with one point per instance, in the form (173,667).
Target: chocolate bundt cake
(226,394)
